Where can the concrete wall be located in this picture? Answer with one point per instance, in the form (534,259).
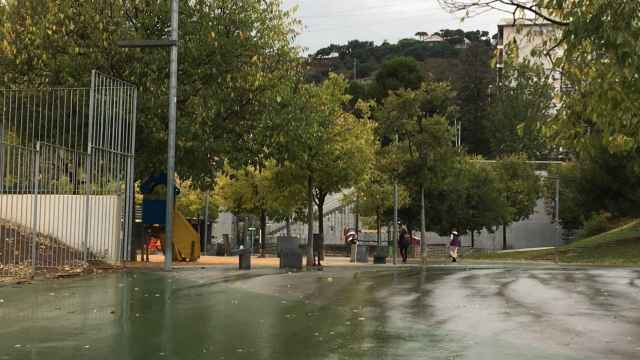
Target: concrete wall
(336,218)
(537,231)
(63,217)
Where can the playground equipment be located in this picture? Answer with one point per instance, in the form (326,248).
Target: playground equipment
(186,241)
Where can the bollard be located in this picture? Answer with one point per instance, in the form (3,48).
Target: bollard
(380,257)
(244,258)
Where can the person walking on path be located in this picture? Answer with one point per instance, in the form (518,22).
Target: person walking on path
(454,245)
(404,240)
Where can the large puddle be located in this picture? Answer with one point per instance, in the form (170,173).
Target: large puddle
(337,314)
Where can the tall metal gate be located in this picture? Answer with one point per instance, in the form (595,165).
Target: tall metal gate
(66,175)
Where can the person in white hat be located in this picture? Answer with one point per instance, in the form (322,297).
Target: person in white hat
(454,245)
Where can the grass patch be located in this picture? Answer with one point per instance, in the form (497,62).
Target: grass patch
(620,246)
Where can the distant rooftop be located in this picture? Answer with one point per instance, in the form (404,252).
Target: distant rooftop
(523,22)
(434,38)
(333,55)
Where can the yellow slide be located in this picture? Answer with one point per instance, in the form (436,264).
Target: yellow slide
(186,241)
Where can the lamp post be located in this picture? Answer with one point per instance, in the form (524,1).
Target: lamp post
(171,151)
(395,216)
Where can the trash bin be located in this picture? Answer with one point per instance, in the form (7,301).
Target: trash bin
(289,253)
(362,254)
(244,258)
(380,257)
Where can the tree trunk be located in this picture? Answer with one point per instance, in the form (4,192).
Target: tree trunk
(357,214)
(321,198)
(423,225)
(310,221)
(236,223)
(378,227)
(263,231)
(473,243)
(504,237)
(288,226)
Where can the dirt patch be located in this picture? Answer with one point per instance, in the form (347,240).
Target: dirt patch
(54,259)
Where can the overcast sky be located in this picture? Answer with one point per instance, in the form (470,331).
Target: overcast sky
(338,21)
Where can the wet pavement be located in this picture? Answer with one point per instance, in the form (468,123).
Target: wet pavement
(343,313)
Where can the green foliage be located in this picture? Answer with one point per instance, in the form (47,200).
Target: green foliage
(521,107)
(370,57)
(249,191)
(472,81)
(191,202)
(284,194)
(322,140)
(235,59)
(421,119)
(373,197)
(597,181)
(610,181)
(600,65)
(398,73)
(419,159)
(597,224)
(519,185)
(235,191)
(572,210)
(465,195)
(328,147)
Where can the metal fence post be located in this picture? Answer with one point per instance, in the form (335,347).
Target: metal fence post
(130,192)
(34,211)
(87,180)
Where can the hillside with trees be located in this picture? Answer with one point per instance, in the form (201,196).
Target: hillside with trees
(431,50)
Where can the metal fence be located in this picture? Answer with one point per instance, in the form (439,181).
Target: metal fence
(66,175)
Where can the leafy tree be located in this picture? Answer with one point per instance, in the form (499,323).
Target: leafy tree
(422,35)
(398,73)
(235,193)
(573,212)
(472,82)
(520,187)
(599,62)
(191,202)
(484,205)
(522,107)
(373,197)
(234,60)
(597,181)
(466,197)
(421,121)
(329,147)
(268,192)
(598,116)
(370,57)
(453,37)
(285,194)
(478,36)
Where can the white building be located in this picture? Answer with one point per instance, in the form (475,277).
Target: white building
(531,40)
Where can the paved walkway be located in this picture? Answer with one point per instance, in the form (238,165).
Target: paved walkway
(344,312)
(256,261)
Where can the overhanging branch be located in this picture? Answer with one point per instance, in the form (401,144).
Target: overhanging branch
(471,8)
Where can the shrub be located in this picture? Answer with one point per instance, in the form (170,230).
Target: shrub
(598,223)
